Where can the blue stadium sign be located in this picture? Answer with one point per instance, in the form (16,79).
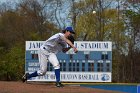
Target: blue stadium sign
(93,62)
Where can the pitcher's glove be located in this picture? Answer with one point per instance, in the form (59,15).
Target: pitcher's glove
(71,38)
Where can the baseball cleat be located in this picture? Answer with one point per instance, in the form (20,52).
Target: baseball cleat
(24,78)
(58,84)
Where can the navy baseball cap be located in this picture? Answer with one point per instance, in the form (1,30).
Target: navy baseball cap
(70,30)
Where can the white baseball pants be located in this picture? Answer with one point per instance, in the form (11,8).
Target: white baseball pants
(44,57)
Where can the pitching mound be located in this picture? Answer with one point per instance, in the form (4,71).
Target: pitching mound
(19,87)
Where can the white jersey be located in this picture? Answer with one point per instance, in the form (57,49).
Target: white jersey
(55,43)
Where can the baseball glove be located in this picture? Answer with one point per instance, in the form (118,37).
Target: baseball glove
(71,38)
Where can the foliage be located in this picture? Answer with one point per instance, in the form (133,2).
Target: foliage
(12,63)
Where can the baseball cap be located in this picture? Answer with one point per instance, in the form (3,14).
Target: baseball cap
(70,30)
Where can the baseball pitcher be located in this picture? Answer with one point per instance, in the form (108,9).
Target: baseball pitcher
(48,51)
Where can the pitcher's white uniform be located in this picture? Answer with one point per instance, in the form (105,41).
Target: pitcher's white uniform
(51,46)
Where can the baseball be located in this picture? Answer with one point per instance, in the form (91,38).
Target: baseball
(94,12)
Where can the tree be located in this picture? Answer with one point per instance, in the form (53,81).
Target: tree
(12,63)
(132,22)
(36,17)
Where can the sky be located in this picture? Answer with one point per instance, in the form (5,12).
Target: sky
(10,1)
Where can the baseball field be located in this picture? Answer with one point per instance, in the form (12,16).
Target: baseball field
(19,87)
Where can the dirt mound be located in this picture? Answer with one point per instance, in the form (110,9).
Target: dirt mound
(19,87)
